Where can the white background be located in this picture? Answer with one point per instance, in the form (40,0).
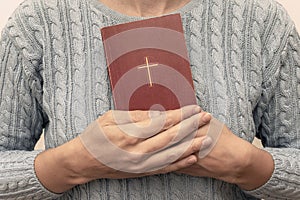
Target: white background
(8,6)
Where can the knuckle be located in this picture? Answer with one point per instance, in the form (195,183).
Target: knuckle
(137,116)
(106,130)
(109,114)
(135,159)
(195,147)
(134,116)
(127,140)
(196,123)
(154,113)
(148,149)
(172,157)
(169,122)
(132,141)
(106,118)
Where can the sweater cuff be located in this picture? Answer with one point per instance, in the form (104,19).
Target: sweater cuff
(284,182)
(20,180)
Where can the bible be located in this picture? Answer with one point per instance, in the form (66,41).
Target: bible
(148,64)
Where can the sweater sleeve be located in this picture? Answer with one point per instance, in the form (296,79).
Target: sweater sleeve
(21,118)
(278,117)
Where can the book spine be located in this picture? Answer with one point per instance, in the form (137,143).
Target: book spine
(107,51)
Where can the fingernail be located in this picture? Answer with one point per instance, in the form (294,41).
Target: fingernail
(206,143)
(191,160)
(196,110)
(206,118)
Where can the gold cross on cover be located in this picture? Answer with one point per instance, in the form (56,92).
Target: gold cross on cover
(148,66)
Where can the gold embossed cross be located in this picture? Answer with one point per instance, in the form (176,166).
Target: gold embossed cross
(148,66)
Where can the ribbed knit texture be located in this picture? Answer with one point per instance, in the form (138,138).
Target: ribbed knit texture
(245,60)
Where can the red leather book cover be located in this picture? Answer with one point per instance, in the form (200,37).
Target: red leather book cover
(148,64)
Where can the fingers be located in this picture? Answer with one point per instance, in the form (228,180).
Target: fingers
(214,132)
(172,154)
(175,116)
(157,122)
(178,165)
(184,164)
(175,134)
(196,145)
(146,136)
(125,117)
(121,138)
(109,154)
(137,160)
(159,160)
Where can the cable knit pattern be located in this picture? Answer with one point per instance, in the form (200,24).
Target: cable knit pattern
(245,62)
(18,180)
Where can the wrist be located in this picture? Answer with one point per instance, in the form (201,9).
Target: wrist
(50,172)
(76,161)
(257,170)
(58,169)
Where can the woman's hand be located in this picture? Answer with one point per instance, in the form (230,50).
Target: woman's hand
(233,160)
(123,144)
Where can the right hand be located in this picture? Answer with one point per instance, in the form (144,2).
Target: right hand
(127,144)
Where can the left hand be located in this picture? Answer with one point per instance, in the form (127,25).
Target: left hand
(233,160)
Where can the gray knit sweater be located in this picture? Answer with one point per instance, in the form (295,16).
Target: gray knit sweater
(245,60)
